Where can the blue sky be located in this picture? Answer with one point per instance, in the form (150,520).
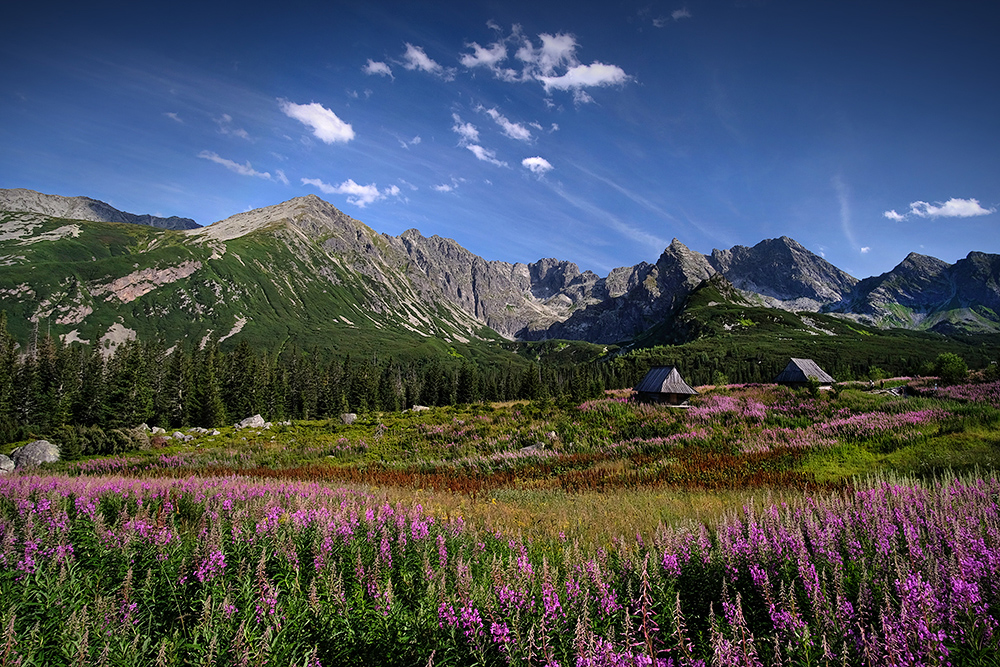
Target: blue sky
(591,132)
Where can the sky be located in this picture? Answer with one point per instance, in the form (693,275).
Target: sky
(593,132)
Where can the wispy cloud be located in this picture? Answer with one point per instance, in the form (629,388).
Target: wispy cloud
(537,165)
(844,201)
(279,176)
(510,128)
(415,58)
(676,15)
(486,155)
(448,187)
(377,68)
(225,123)
(406,143)
(484,56)
(325,124)
(173,116)
(359,195)
(467,132)
(865,250)
(953,208)
(241,169)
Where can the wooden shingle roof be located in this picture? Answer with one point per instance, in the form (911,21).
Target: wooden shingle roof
(800,370)
(664,380)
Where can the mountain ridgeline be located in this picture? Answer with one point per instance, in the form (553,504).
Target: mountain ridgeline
(304,273)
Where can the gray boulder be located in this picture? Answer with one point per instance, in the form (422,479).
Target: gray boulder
(6,464)
(35,453)
(252,422)
(348,418)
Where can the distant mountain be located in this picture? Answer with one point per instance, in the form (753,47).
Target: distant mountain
(926,293)
(303,272)
(83,208)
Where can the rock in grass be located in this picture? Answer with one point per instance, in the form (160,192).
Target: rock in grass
(252,422)
(6,464)
(348,418)
(35,453)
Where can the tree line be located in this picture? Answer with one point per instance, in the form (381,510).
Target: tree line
(47,385)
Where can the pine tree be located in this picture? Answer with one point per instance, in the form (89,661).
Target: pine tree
(8,374)
(242,379)
(212,411)
(469,384)
(129,393)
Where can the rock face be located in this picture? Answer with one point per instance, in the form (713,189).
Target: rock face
(35,453)
(636,299)
(83,208)
(783,273)
(6,464)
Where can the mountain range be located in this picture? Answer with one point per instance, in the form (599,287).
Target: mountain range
(303,272)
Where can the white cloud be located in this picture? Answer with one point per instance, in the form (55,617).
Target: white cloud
(416,58)
(444,187)
(173,116)
(581,76)
(279,175)
(484,57)
(359,195)
(556,51)
(511,129)
(865,250)
(377,67)
(325,124)
(467,131)
(953,208)
(486,155)
(537,165)
(682,13)
(241,169)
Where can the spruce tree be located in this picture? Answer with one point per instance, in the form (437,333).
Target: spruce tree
(212,411)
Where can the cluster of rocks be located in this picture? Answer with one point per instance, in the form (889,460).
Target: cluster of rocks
(177,435)
(258,422)
(30,455)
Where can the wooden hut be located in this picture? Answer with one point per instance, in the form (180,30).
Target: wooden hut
(663,384)
(799,371)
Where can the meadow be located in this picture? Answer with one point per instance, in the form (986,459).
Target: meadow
(760,526)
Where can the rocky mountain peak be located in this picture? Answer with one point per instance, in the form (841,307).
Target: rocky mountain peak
(783,271)
(313,216)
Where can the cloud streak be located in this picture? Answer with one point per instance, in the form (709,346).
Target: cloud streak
(415,58)
(510,128)
(241,169)
(486,155)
